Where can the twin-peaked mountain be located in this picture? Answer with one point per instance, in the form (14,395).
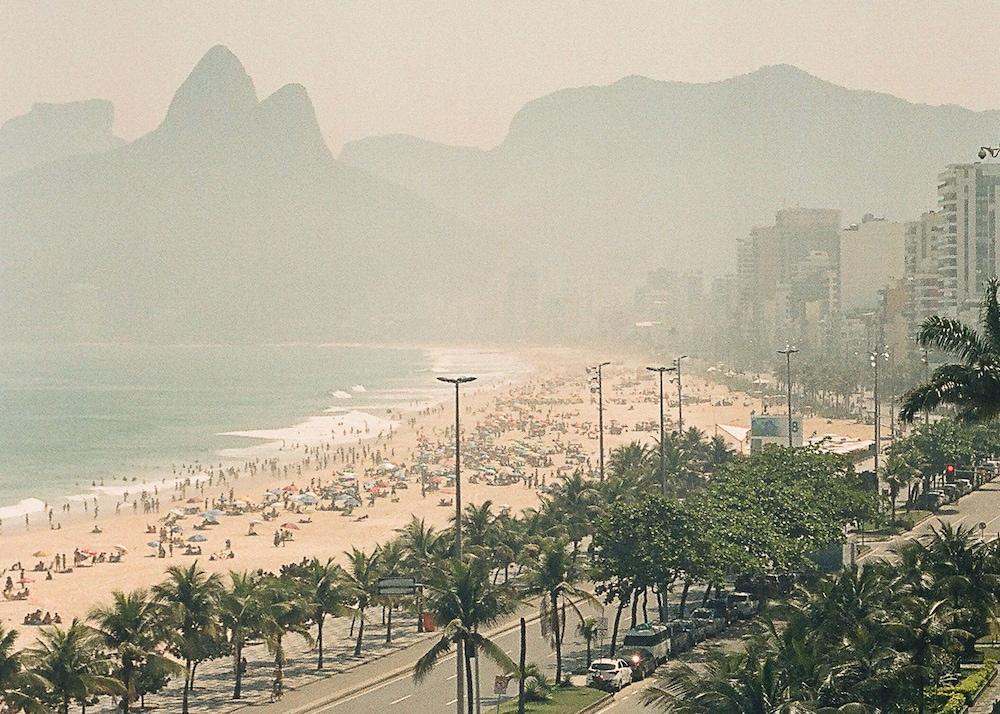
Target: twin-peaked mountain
(229,221)
(232,220)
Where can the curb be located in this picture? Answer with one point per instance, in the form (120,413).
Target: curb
(374,681)
(598,705)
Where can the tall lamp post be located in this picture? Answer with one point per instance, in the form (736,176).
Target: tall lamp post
(874,356)
(925,358)
(680,394)
(600,416)
(788,352)
(460,653)
(663,472)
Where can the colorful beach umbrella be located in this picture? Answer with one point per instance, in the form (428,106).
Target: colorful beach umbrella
(290,526)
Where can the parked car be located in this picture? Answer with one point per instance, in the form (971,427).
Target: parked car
(699,632)
(642,661)
(611,674)
(743,603)
(652,637)
(722,608)
(707,617)
(681,638)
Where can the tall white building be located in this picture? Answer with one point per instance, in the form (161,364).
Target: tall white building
(967,249)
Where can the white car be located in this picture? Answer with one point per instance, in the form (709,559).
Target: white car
(611,674)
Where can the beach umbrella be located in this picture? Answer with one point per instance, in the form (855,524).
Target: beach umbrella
(214,513)
(290,526)
(176,513)
(194,500)
(308,500)
(39,554)
(120,548)
(153,544)
(88,551)
(25,580)
(197,538)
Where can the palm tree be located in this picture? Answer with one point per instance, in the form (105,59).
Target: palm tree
(747,682)
(324,589)
(971,385)
(573,505)
(630,460)
(286,609)
(464,600)
(717,452)
(132,628)
(241,612)
(897,473)
(17,683)
(589,629)
(553,577)
(421,546)
(190,598)
(71,663)
(391,558)
(362,577)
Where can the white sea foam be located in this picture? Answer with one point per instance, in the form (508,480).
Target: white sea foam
(23,507)
(341,394)
(359,389)
(337,427)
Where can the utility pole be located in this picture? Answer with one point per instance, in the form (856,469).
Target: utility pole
(788,352)
(663,471)
(600,415)
(680,395)
(460,654)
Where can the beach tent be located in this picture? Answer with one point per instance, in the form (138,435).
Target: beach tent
(120,548)
(197,538)
(290,526)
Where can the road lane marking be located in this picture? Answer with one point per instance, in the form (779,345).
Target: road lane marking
(401,699)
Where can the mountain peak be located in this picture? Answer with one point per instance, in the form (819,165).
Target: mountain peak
(217,92)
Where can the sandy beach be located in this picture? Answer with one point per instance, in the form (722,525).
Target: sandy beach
(543,423)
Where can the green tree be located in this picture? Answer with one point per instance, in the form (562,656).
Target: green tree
(17,684)
(191,597)
(464,601)
(132,629)
(362,579)
(554,577)
(324,587)
(71,663)
(972,385)
(241,613)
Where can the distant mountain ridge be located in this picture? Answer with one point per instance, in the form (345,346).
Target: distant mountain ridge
(671,173)
(230,221)
(50,132)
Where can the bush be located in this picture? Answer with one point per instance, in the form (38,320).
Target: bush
(954,704)
(965,691)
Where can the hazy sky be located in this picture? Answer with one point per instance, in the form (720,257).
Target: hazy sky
(457,70)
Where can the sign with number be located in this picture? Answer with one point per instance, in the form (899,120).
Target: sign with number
(500,683)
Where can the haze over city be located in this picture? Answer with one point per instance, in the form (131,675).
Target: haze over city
(562,358)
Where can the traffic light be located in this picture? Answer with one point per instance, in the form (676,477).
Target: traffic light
(950,469)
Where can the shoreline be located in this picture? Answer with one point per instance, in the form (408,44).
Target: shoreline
(265,442)
(548,411)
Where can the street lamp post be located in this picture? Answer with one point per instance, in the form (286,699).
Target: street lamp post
(663,472)
(927,378)
(874,357)
(460,653)
(788,352)
(680,394)
(600,416)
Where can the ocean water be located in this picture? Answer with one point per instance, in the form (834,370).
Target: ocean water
(71,416)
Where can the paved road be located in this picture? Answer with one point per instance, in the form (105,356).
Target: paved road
(982,506)
(438,692)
